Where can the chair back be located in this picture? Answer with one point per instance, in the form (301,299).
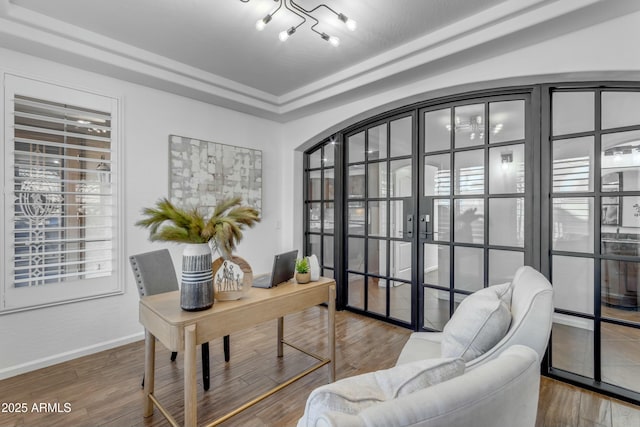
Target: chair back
(154,272)
(531,315)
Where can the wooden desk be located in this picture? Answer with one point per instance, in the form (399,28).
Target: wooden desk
(181,330)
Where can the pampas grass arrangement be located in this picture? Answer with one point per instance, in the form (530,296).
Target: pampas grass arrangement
(223,229)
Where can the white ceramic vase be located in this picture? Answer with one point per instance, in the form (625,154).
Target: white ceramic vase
(314,268)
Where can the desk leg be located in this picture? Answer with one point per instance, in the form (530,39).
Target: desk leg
(149,370)
(331,332)
(280,336)
(190,392)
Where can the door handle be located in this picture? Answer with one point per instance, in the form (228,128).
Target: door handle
(424,222)
(409,226)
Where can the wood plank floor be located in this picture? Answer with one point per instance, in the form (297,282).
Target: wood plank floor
(104,389)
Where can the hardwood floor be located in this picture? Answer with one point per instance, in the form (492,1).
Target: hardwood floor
(104,389)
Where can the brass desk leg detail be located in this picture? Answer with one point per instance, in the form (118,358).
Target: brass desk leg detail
(149,371)
(281,342)
(164,412)
(268,393)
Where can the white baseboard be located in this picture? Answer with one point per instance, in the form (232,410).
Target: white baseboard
(573,321)
(44,362)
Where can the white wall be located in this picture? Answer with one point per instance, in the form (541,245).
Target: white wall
(604,51)
(36,338)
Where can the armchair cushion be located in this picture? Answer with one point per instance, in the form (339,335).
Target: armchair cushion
(479,323)
(351,395)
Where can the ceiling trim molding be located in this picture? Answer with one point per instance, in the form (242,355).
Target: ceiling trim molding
(33,33)
(611,77)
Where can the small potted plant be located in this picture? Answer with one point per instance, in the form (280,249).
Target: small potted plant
(302,271)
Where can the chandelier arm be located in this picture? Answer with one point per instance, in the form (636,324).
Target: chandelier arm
(277,8)
(294,5)
(292,8)
(315,8)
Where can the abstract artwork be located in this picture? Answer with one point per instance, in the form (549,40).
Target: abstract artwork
(202,173)
(631,211)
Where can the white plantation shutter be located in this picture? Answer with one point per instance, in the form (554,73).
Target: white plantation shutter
(60,194)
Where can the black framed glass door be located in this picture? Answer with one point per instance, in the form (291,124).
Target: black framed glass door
(475,221)
(380,192)
(439,199)
(592,170)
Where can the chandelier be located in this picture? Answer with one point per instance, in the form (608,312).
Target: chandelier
(303,14)
(474,125)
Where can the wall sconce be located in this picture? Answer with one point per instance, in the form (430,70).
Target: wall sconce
(507,159)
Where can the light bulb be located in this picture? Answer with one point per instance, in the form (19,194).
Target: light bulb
(350,23)
(331,39)
(261,23)
(284,34)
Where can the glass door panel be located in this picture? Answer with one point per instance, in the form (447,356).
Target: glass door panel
(377,148)
(401,300)
(469,128)
(469,221)
(506,169)
(621,347)
(320,194)
(437,127)
(620,109)
(380,222)
(593,235)
(506,121)
(469,172)
(506,221)
(468,268)
(437,175)
(572,341)
(401,137)
(478,231)
(502,264)
(573,112)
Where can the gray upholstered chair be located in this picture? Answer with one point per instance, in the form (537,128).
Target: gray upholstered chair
(154,274)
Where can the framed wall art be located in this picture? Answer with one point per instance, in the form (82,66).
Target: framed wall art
(202,173)
(631,211)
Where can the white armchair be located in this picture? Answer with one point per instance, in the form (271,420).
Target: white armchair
(500,392)
(531,319)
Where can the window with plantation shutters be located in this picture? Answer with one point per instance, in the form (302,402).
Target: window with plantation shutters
(61,203)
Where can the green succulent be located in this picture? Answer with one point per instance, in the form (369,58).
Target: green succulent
(302,265)
(167,222)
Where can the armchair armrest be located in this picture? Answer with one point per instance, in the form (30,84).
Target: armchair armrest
(502,392)
(338,419)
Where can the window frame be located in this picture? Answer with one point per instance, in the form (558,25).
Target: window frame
(13,299)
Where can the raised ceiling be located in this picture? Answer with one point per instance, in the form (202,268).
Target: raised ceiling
(210,49)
